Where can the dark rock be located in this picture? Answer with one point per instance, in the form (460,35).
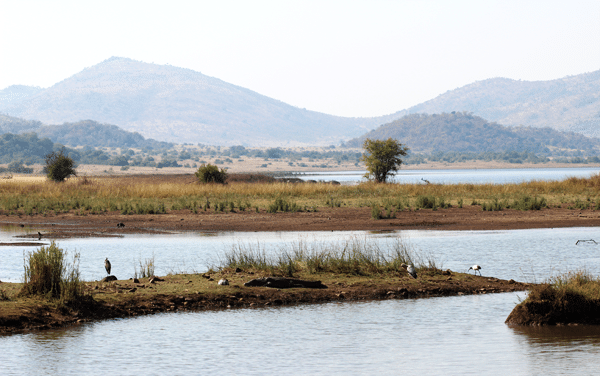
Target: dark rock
(110,278)
(284,283)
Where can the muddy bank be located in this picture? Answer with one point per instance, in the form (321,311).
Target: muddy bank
(549,309)
(325,219)
(197,292)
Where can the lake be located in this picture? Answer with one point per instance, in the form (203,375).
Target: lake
(450,335)
(459,176)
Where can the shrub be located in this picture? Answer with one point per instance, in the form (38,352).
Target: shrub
(283,205)
(59,166)
(211,174)
(375,211)
(529,203)
(425,202)
(48,274)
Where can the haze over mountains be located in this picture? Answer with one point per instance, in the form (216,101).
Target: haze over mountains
(465,132)
(173,104)
(180,105)
(567,104)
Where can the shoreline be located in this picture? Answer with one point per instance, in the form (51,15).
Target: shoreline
(471,218)
(129,298)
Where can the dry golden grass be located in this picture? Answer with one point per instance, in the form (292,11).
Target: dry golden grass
(107,194)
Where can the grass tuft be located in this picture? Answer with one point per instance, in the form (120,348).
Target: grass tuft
(48,273)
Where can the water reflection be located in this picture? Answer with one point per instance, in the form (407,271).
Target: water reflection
(451,335)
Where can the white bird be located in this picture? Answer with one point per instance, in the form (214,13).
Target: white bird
(475,269)
(223,282)
(410,269)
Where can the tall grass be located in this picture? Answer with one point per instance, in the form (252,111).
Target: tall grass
(569,298)
(146,268)
(48,273)
(355,256)
(141,195)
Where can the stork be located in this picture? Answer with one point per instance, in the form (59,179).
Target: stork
(475,269)
(410,269)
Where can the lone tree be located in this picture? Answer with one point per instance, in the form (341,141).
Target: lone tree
(59,166)
(382,158)
(211,174)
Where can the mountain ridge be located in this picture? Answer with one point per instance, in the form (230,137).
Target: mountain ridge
(571,103)
(175,104)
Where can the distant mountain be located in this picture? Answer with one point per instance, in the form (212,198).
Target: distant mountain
(91,133)
(180,105)
(567,104)
(9,124)
(465,132)
(82,133)
(15,94)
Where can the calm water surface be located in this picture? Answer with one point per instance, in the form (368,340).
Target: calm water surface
(523,255)
(451,335)
(473,176)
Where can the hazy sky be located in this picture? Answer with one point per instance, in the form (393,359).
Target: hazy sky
(348,58)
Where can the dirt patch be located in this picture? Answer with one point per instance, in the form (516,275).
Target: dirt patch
(325,219)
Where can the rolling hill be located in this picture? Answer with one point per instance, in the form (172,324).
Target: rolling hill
(465,132)
(81,133)
(180,105)
(568,104)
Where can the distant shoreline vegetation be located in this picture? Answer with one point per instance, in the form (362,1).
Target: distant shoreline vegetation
(447,138)
(21,150)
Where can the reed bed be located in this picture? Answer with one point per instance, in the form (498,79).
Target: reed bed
(48,273)
(145,196)
(354,256)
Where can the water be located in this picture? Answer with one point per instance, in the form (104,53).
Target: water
(473,176)
(523,255)
(450,335)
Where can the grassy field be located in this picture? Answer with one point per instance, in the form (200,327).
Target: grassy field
(161,194)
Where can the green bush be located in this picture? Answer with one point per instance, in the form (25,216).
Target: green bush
(211,174)
(283,205)
(59,166)
(425,202)
(529,203)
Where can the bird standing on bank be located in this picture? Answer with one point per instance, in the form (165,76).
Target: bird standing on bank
(410,269)
(475,269)
(107,265)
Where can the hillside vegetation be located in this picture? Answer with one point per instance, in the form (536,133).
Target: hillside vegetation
(180,105)
(568,104)
(465,132)
(94,134)
(82,133)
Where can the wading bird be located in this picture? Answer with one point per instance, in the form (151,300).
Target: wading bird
(410,269)
(475,269)
(426,181)
(39,235)
(107,265)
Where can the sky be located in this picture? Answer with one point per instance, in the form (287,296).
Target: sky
(345,58)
